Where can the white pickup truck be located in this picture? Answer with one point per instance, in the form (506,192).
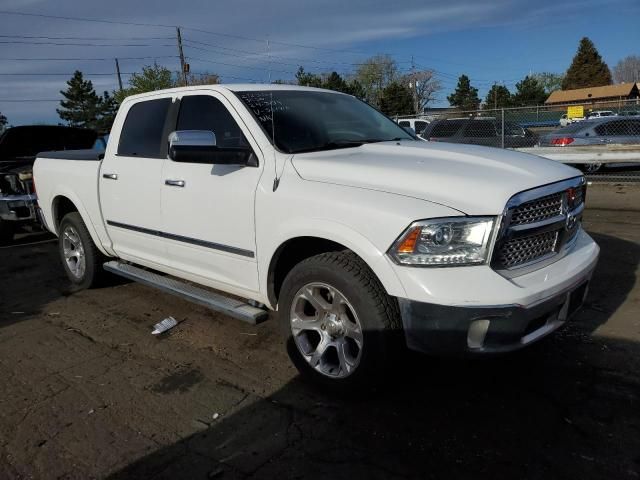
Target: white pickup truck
(363,238)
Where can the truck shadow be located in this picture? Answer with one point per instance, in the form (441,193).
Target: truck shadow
(562,408)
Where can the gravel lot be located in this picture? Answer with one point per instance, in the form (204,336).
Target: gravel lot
(86,391)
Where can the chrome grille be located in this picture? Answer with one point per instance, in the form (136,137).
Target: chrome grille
(539,224)
(537,210)
(519,251)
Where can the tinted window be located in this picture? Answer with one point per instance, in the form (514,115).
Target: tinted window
(446,128)
(634,127)
(404,123)
(480,128)
(27,141)
(420,126)
(613,128)
(143,130)
(305,121)
(204,112)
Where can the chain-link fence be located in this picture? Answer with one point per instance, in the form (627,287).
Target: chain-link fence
(593,137)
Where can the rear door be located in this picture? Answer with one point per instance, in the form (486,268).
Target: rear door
(481,132)
(130,182)
(207,209)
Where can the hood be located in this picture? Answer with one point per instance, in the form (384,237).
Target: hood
(474,180)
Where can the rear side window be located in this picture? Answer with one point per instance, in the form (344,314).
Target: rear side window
(404,123)
(613,128)
(480,129)
(446,128)
(143,130)
(204,112)
(420,126)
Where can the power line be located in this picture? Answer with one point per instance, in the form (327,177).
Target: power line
(81,19)
(62,74)
(86,59)
(26,42)
(85,38)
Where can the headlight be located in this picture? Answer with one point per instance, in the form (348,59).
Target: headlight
(444,242)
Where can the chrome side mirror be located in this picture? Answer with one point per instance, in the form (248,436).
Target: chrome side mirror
(200,146)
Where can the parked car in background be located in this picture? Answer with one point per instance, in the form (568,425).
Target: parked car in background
(601,114)
(417,124)
(600,131)
(565,120)
(18,149)
(101,143)
(358,234)
(480,131)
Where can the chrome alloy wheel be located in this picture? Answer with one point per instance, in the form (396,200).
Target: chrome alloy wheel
(73,252)
(326,330)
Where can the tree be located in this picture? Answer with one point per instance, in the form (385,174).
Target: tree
(627,70)
(335,82)
(587,68)
(153,77)
(203,79)
(396,99)
(498,97)
(308,79)
(3,122)
(529,92)
(549,81)
(354,87)
(374,74)
(81,106)
(108,107)
(424,86)
(465,96)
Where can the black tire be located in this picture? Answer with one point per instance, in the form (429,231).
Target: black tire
(93,273)
(377,313)
(6,232)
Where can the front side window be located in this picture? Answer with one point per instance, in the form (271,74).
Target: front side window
(204,112)
(613,128)
(298,121)
(142,132)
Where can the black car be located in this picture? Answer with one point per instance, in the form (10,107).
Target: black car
(18,149)
(479,131)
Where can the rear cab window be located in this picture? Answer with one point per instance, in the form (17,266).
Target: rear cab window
(446,128)
(143,132)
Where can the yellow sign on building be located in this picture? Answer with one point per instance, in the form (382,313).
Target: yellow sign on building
(575,111)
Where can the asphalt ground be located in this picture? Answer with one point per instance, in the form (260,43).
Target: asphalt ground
(87,392)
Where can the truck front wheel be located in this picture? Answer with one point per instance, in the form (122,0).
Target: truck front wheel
(81,259)
(341,327)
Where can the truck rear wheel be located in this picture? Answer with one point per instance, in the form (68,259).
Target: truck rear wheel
(81,259)
(341,327)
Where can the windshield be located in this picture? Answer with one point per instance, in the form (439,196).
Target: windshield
(306,121)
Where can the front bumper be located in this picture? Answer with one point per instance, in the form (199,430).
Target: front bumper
(519,311)
(18,208)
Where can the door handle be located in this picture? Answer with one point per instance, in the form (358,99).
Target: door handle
(174,183)
(110,176)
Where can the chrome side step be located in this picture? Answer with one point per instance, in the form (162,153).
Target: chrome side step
(229,306)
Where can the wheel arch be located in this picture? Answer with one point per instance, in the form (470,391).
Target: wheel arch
(295,249)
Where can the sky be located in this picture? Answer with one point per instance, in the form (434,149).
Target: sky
(252,41)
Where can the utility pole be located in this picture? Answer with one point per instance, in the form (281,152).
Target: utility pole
(119,77)
(181,53)
(414,80)
(269,58)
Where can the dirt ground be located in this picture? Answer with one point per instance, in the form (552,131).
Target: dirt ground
(86,391)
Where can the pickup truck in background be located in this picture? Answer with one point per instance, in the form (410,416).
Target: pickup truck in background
(18,149)
(364,239)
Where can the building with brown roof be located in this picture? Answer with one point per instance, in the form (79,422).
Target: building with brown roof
(587,96)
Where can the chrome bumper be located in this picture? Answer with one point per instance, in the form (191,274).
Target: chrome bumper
(18,208)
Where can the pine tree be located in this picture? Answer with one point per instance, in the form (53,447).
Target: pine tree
(108,108)
(81,105)
(498,97)
(308,79)
(529,92)
(587,68)
(396,99)
(465,96)
(335,82)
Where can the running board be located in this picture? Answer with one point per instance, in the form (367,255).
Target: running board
(229,306)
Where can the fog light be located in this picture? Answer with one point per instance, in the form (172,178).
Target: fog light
(477,333)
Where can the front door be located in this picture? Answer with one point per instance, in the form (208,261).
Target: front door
(208,210)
